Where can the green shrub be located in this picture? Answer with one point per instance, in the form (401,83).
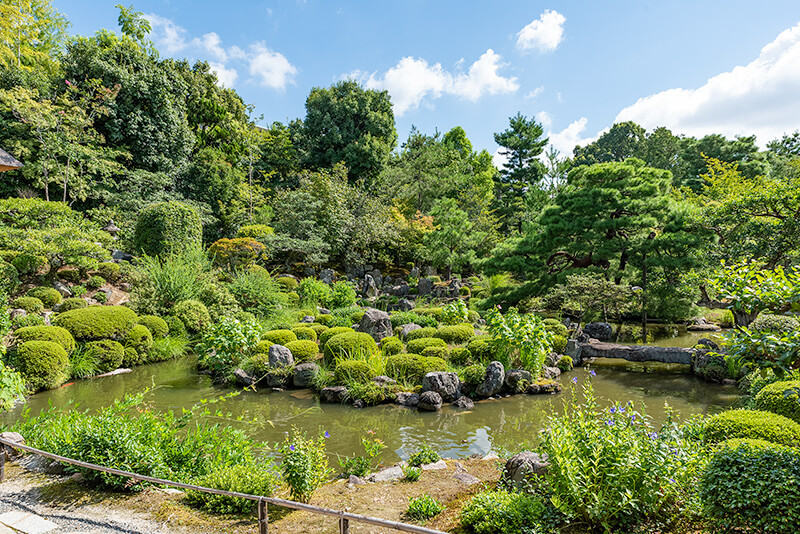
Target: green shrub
(565,363)
(49,296)
(56,334)
(472,375)
(21,321)
(555,326)
(27,263)
(236,254)
(95,282)
(412,368)
(108,270)
(324,319)
(313,291)
(416,346)
(782,398)
(79,291)
(255,479)
(140,340)
(107,353)
(29,304)
(219,300)
(775,323)
(72,304)
(303,350)
(465,291)
(342,295)
(503,512)
(8,255)
(42,364)
(176,327)
(305,464)
(750,485)
(259,232)
(304,332)
(356,316)
(257,364)
(288,283)
(318,329)
(559,344)
(349,345)
(9,277)
(426,331)
(160,282)
(425,455)
(100,297)
(456,334)
(279,337)
(157,326)
(258,293)
(97,322)
(411,474)
(460,356)
(361,466)
(423,507)
(436,312)
(329,333)
(193,314)
(352,371)
(481,349)
(223,344)
(391,345)
(264,345)
(12,387)
(166,227)
(435,352)
(404,318)
(167,348)
(751,424)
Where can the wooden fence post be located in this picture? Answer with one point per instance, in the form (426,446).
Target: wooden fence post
(344,526)
(2,463)
(263,520)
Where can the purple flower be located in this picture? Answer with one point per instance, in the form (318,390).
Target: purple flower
(291,448)
(671,480)
(610,422)
(574,379)
(621,409)
(327,434)
(612,410)
(653,435)
(633,417)
(592,373)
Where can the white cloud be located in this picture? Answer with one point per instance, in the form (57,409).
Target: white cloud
(544,119)
(530,95)
(759,98)
(212,44)
(543,34)
(166,34)
(498,159)
(413,80)
(226,76)
(566,140)
(270,68)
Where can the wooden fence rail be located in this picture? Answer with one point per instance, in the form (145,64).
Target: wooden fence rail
(343,517)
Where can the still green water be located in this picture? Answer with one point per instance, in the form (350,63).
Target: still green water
(500,424)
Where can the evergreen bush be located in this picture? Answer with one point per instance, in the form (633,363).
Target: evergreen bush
(303,350)
(56,334)
(416,346)
(349,345)
(304,332)
(166,227)
(29,304)
(49,296)
(279,337)
(754,424)
(456,334)
(193,314)
(42,364)
(157,326)
(782,398)
(107,353)
(73,303)
(97,322)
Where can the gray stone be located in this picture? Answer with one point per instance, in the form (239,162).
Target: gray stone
(10,452)
(515,378)
(327,275)
(446,385)
(376,323)
(309,271)
(636,353)
(430,401)
(26,522)
(46,315)
(119,255)
(425,286)
(358,403)
(466,479)
(573,350)
(493,380)
(323,311)
(708,343)
(377,277)
(414,272)
(551,360)
(435,466)
(280,356)
(17,312)
(384,381)
(405,398)
(703,328)
(355,481)
(406,305)
(242,378)
(410,327)
(333,394)
(125,286)
(369,289)
(463,403)
(307,319)
(390,473)
(523,466)
(63,289)
(599,331)
(277,380)
(304,374)
(550,373)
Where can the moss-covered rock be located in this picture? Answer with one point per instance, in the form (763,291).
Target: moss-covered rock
(98,322)
(42,364)
(157,326)
(56,334)
(349,345)
(49,296)
(108,354)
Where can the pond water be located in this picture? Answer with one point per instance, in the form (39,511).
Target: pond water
(493,425)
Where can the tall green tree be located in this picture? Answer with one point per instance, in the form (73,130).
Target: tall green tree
(452,243)
(32,33)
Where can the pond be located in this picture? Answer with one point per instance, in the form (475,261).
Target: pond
(492,425)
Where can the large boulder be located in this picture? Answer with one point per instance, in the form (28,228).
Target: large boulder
(463,403)
(446,385)
(430,401)
(333,394)
(243,379)
(376,323)
(425,286)
(405,304)
(599,331)
(327,275)
(549,373)
(406,398)
(517,378)
(522,467)
(304,374)
(369,289)
(410,327)
(377,277)
(280,356)
(493,380)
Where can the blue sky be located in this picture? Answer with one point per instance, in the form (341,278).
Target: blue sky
(723,66)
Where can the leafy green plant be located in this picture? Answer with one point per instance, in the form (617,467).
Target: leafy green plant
(454,313)
(258,293)
(423,507)
(12,387)
(411,474)
(755,424)
(304,464)
(522,340)
(504,512)
(224,344)
(782,398)
(361,466)
(167,348)
(777,351)
(161,282)
(342,294)
(83,364)
(425,455)
(313,292)
(258,478)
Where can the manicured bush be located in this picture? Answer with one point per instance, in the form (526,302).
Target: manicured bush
(503,512)
(356,316)
(565,363)
(27,263)
(259,232)
(465,291)
(140,340)
(56,334)
(456,334)
(349,345)
(426,331)
(107,353)
(166,227)
(303,350)
(21,321)
(157,326)
(72,304)
(775,323)
(438,352)
(304,332)
(751,424)
(258,293)
(193,314)
(264,345)
(109,270)
(329,333)
(313,291)
(95,282)
(751,485)
(559,344)
(460,355)
(176,327)
(49,296)
(352,371)
(555,326)
(391,345)
(234,254)
(472,375)
(42,364)
(342,295)
(318,329)
(404,318)
(324,319)
(256,479)
(9,277)
(431,364)
(782,398)
(29,304)
(435,312)
(416,346)
(100,297)
(481,348)
(97,322)
(279,337)
(288,283)
(79,291)
(412,367)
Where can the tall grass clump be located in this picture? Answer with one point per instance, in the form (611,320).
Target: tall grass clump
(162,282)
(258,293)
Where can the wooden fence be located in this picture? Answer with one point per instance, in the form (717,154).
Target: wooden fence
(263,522)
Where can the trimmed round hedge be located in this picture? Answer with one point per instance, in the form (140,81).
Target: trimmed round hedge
(304,332)
(782,398)
(27,263)
(426,331)
(318,328)
(280,337)
(559,344)
(751,485)
(49,296)
(98,322)
(481,348)
(157,326)
(108,270)
(352,371)
(324,319)
(42,364)
(752,424)
(165,227)
(438,352)
(766,322)
(29,304)
(556,327)
(460,356)
(391,346)
(140,340)
(416,346)
(263,346)
(412,367)
(73,303)
(108,354)
(330,332)
(455,334)
(176,327)
(56,334)
(288,283)
(303,350)
(193,314)
(349,345)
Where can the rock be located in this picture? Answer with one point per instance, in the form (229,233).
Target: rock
(515,378)
(573,350)
(406,305)
(550,373)
(729,382)
(493,380)
(466,479)
(333,394)
(355,481)
(709,365)
(405,398)
(307,319)
(463,403)
(551,360)
(277,380)
(541,388)
(40,464)
(703,328)
(46,315)
(309,271)
(323,311)
(10,452)
(523,466)
(119,255)
(368,288)
(490,456)
(304,374)
(377,277)
(243,379)
(425,286)
(17,312)
(327,275)
(280,356)
(376,323)
(414,272)
(63,289)
(635,353)
(708,343)
(125,286)
(170,491)
(435,466)
(410,327)
(384,381)
(446,385)
(390,473)
(358,403)
(430,401)
(599,331)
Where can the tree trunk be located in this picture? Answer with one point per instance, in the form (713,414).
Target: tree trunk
(743,319)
